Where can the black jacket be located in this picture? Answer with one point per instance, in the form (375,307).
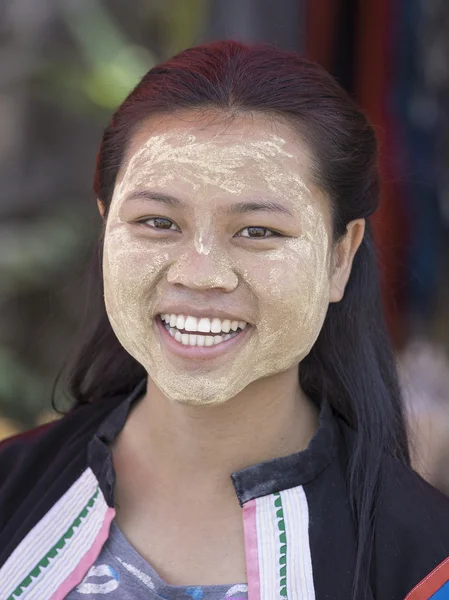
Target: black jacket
(57,502)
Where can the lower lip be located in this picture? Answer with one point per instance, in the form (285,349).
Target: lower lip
(199,352)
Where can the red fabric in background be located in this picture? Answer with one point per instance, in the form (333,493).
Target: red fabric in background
(374,70)
(372,64)
(321,19)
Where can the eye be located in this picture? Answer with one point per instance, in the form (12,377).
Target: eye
(160,223)
(259,233)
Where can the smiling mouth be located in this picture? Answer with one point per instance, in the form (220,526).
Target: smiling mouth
(189,338)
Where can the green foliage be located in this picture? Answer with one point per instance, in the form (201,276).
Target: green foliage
(20,388)
(31,253)
(37,253)
(114,63)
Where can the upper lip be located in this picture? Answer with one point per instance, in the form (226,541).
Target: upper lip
(204,312)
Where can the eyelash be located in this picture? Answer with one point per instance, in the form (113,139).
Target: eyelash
(273,232)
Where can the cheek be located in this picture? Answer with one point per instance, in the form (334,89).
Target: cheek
(293,297)
(131,272)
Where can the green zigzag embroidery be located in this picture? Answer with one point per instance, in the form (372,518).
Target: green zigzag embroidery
(53,552)
(283,546)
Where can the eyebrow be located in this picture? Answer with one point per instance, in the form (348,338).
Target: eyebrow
(237,208)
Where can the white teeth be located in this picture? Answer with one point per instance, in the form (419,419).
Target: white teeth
(180,322)
(226,325)
(215,326)
(198,340)
(204,325)
(191,324)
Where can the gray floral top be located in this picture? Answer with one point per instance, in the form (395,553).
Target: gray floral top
(121,573)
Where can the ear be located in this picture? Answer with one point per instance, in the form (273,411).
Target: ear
(100,207)
(344,253)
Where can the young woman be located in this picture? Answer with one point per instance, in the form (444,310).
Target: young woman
(237,428)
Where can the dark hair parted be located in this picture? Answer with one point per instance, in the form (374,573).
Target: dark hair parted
(352,361)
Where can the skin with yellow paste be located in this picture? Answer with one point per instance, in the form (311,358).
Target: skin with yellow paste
(280,284)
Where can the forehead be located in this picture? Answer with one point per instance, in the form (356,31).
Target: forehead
(209,146)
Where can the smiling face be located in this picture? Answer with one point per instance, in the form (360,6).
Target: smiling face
(215,220)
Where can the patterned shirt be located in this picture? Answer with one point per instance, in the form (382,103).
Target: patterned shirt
(57,505)
(121,573)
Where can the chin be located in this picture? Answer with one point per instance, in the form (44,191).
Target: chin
(199,396)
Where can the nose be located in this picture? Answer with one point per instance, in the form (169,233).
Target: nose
(203,271)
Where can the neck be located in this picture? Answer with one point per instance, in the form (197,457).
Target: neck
(203,445)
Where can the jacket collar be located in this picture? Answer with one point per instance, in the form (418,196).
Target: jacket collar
(57,552)
(258,480)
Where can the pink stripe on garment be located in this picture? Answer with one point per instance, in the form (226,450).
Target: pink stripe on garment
(251,549)
(76,576)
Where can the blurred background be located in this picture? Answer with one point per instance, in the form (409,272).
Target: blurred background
(66,64)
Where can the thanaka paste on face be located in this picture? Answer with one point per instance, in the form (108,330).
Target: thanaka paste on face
(282,291)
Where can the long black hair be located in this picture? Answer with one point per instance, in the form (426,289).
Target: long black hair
(352,362)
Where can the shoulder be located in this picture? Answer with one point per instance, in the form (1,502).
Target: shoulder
(11,447)
(39,466)
(412,536)
(13,451)
(46,457)
(43,441)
